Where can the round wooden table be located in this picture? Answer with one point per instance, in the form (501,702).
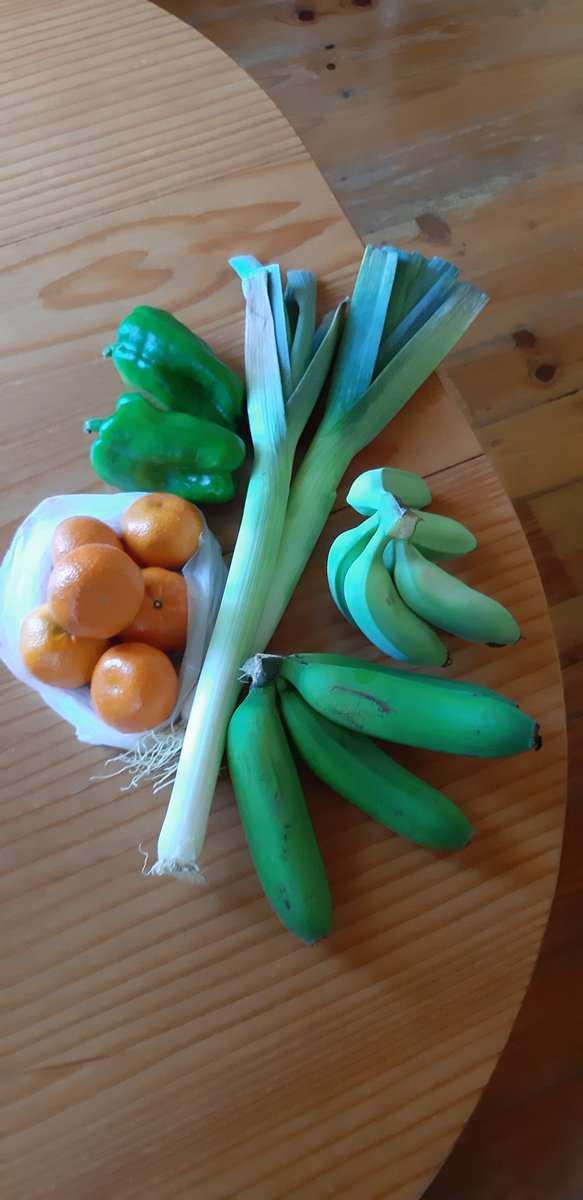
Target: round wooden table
(161,1041)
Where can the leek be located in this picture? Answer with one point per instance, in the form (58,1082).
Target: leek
(268,371)
(400,325)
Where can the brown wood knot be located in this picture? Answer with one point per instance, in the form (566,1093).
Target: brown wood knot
(545,372)
(305,14)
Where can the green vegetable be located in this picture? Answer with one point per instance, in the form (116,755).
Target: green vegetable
(140,447)
(276,421)
(165,361)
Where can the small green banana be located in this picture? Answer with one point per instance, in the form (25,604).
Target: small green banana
(370,488)
(344,550)
(389,556)
(377,609)
(441,537)
(445,601)
(415,709)
(436,536)
(357,769)
(275,818)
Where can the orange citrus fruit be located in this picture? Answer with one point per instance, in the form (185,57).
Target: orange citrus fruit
(95,590)
(55,656)
(162,619)
(161,530)
(134,687)
(78,531)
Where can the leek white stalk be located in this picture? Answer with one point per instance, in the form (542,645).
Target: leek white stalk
(252,567)
(251,571)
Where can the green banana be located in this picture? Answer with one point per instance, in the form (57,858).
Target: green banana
(436,536)
(441,537)
(275,818)
(411,708)
(344,550)
(377,609)
(474,690)
(370,488)
(355,767)
(448,602)
(389,556)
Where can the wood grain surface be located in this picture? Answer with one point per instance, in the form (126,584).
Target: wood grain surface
(160,1042)
(454,127)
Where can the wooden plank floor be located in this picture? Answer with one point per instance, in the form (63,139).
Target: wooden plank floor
(454,127)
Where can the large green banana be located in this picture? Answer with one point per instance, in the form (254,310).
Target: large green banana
(417,710)
(441,537)
(377,609)
(275,818)
(437,681)
(448,602)
(370,488)
(355,767)
(344,550)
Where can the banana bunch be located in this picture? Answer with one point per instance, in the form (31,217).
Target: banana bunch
(331,708)
(385,576)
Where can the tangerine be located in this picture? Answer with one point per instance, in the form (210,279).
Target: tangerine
(55,656)
(162,530)
(79,531)
(134,687)
(162,619)
(95,590)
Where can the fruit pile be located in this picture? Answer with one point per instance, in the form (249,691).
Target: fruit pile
(333,708)
(384,575)
(116,610)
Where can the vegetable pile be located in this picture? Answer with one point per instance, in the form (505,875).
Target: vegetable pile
(175,432)
(116,613)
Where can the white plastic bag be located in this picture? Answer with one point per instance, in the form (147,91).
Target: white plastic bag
(24,575)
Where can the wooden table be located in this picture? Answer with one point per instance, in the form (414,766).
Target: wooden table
(164,1043)
(454,127)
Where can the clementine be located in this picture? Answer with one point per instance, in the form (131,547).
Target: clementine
(95,590)
(79,531)
(162,619)
(161,530)
(55,656)
(134,687)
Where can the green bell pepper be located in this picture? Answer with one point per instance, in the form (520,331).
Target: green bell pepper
(169,364)
(144,448)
